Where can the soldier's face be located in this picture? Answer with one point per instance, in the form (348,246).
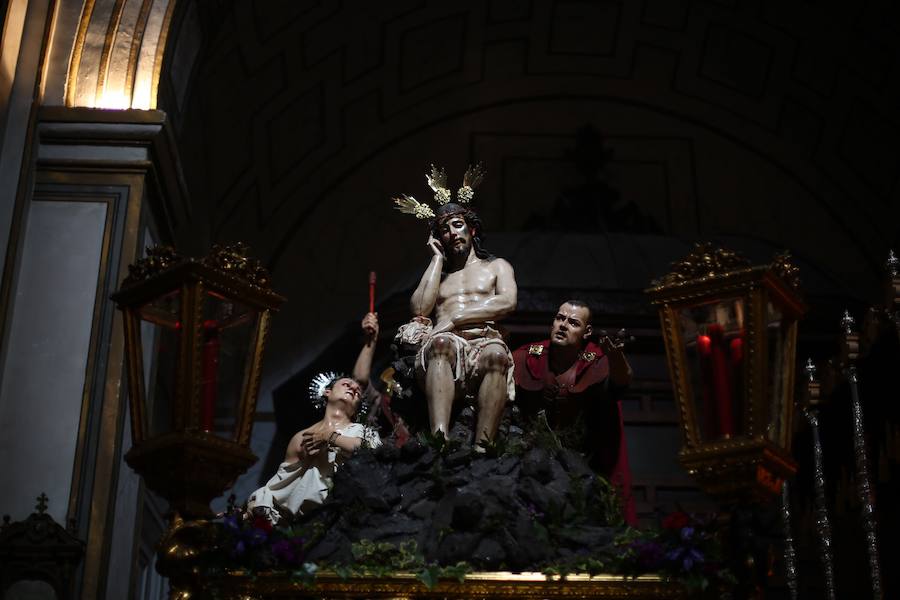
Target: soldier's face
(456,237)
(570,326)
(346,391)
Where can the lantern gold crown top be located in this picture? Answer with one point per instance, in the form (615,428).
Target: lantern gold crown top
(708,261)
(231,259)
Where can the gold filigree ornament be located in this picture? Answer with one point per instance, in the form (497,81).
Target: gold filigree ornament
(437,181)
(157,260)
(705,261)
(233,259)
(787,270)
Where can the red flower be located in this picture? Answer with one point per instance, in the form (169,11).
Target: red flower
(262,522)
(675,520)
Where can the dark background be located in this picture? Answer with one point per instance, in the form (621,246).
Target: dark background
(615,134)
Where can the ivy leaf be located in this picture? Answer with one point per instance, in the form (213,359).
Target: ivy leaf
(457,571)
(342,571)
(429,576)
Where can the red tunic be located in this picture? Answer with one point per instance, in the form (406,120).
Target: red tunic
(581,394)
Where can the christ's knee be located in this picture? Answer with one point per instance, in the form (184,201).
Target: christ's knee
(442,347)
(493,359)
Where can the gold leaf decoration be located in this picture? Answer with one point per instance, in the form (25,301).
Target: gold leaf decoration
(705,260)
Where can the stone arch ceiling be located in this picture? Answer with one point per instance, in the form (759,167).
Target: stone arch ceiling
(297,121)
(117,54)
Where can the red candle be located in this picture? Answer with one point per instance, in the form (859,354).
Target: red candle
(704,354)
(721,380)
(704,345)
(371,291)
(209,374)
(737,352)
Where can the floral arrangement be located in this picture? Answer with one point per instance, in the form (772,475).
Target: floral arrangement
(257,545)
(686,548)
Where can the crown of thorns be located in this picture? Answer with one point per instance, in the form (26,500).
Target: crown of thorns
(437,181)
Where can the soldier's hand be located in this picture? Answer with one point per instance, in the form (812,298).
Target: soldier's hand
(610,346)
(435,245)
(370,325)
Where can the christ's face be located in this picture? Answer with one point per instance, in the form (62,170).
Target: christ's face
(456,237)
(571,326)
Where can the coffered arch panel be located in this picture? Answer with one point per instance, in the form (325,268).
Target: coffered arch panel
(118,53)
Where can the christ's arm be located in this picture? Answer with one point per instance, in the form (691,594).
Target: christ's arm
(425,296)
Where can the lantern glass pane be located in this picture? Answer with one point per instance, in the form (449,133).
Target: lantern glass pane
(779,358)
(160,340)
(714,345)
(228,330)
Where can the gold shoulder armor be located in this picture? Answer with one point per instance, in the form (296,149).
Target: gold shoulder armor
(536,349)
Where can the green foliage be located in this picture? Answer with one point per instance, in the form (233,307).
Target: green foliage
(429,576)
(381,559)
(494,448)
(437,442)
(588,564)
(541,435)
(609,509)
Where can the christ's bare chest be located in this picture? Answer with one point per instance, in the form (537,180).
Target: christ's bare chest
(473,280)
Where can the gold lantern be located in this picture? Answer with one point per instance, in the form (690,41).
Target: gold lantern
(730,331)
(195,330)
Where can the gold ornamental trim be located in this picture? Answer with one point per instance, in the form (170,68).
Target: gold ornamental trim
(735,469)
(709,264)
(536,349)
(245,586)
(231,260)
(704,261)
(784,268)
(158,260)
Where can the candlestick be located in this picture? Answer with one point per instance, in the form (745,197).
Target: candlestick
(863,485)
(790,554)
(823,523)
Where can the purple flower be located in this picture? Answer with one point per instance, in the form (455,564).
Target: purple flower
(691,557)
(257,536)
(687,533)
(284,552)
(231,523)
(685,557)
(533,512)
(649,554)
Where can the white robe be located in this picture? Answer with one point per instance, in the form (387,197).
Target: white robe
(299,486)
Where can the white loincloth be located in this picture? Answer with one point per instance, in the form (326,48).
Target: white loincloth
(467,344)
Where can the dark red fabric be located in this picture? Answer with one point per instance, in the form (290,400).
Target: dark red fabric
(584,387)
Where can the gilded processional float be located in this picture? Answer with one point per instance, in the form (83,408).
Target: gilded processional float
(468,469)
